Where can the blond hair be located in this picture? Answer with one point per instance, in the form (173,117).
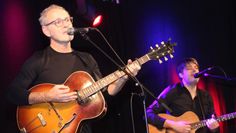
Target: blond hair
(43,14)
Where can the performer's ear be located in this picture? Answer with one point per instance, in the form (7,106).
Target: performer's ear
(46,31)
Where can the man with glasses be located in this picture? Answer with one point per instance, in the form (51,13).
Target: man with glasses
(181,98)
(55,64)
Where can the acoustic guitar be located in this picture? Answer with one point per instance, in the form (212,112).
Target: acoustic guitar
(190,117)
(49,117)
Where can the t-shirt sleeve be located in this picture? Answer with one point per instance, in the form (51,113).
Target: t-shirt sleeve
(18,93)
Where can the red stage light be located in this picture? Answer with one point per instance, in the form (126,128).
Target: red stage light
(97,21)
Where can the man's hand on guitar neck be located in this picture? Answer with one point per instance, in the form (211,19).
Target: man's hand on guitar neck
(133,69)
(212,123)
(178,126)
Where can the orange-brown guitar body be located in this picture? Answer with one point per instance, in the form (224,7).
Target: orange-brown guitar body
(61,117)
(187,116)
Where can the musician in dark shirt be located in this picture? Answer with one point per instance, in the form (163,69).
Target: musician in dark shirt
(183,97)
(56,63)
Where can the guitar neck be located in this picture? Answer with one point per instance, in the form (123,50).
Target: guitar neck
(226,117)
(219,119)
(86,92)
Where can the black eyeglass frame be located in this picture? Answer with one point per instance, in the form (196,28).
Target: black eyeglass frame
(59,20)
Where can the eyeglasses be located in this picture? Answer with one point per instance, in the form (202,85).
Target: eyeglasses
(59,22)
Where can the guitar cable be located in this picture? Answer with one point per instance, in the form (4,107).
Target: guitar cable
(131,111)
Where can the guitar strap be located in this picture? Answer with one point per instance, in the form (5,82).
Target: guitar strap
(201,104)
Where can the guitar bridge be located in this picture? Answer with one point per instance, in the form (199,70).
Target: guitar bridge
(42,121)
(23,130)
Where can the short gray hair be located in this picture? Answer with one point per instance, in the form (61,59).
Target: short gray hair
(43,14)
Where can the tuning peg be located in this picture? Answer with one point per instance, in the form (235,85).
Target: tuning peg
(160,61)
(171,56)
(166,59)
(151,48)
(162,42)
(157,45)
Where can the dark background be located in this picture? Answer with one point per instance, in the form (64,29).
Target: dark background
(202,29)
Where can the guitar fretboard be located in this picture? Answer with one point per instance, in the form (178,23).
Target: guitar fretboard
(219,119)
(92,89)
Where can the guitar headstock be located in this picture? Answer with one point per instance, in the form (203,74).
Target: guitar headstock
(159,52)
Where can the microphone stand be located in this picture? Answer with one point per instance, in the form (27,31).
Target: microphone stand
(219,77)
(142,87)
(225,77)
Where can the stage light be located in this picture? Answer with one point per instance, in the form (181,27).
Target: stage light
(97,21)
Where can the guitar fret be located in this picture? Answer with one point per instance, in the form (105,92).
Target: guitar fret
(118,74)
(198,124)
(102,84)
(105,80)
(95,86)
(86,92)
(112,76)
(204,123)
(90,90)
(143,59)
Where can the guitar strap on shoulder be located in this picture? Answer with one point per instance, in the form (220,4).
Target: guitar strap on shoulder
(201,104)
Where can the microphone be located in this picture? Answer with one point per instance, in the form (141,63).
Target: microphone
(199,74)
(72,31)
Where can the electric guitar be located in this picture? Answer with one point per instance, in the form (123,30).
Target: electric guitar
(50,117)
(188,117)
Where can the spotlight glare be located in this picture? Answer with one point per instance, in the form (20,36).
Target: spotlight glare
(97,21)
